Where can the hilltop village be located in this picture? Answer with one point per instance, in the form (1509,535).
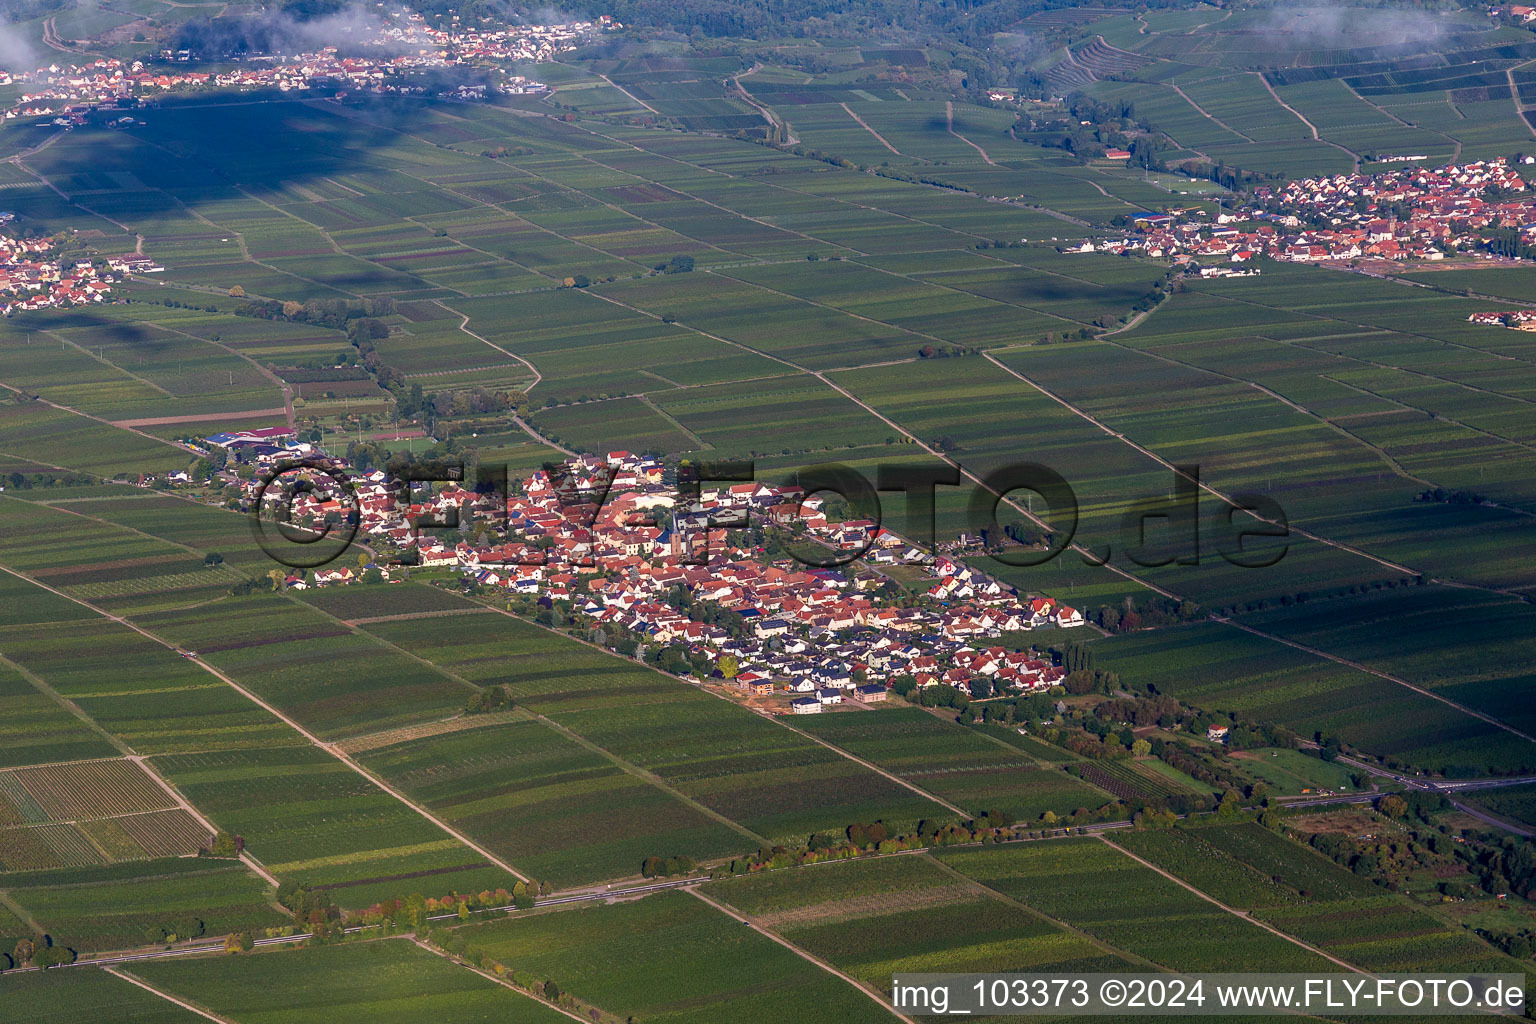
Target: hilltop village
(1410,213)
(611,542)
(404,43)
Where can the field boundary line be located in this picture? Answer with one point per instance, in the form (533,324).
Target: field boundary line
(83,350)
(186,805)
(1039,914)
(1205,113)
(39,684)
(1213,492)
(1242,914)
(146,986)
(1379,674)
(650,778)
(629,768)
(22,914)
(880,138)
(776,720)
(1353,156)
(98,419)
(503,982)
(464,326)
(1392,463)
(949,117)
(329,748)
(850,755)
(801,953)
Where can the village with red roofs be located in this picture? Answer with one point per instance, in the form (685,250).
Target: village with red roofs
(404,41)
(612,544)
(1409,213)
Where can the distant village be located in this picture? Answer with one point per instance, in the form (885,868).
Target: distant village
(1411,213)
(608,538)
(405,43)
(1515,319)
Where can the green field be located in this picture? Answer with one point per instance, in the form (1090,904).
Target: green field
(127,906)
(388,982)
(873,918)
(957,764)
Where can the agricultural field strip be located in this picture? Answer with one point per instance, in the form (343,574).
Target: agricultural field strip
(1339,545)
(653,779)
(800,192)
(498,979)
(936,280)
(283,387)
(1326,317)
(1379,674)
(949,117)
(106,814)
(627,767)
(1002,897)
(464,326)
(1243,915)
(1148,453)
(118,972)
(1514,442)
(245,250)
(41,685)
(585,195)
(179,802)
(246,255)
(887,323)
(802,954)
(972,885)
(863,124)
(914,439)
(105,422)
(777,720)
(107,362)
(1391,462)
(1263,79)
(560,185)
(329,748)
(1455,153)
(1339,428)
(1201,110)
(74,709)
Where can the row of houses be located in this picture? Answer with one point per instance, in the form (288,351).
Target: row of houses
(661,567)
(1516,319)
